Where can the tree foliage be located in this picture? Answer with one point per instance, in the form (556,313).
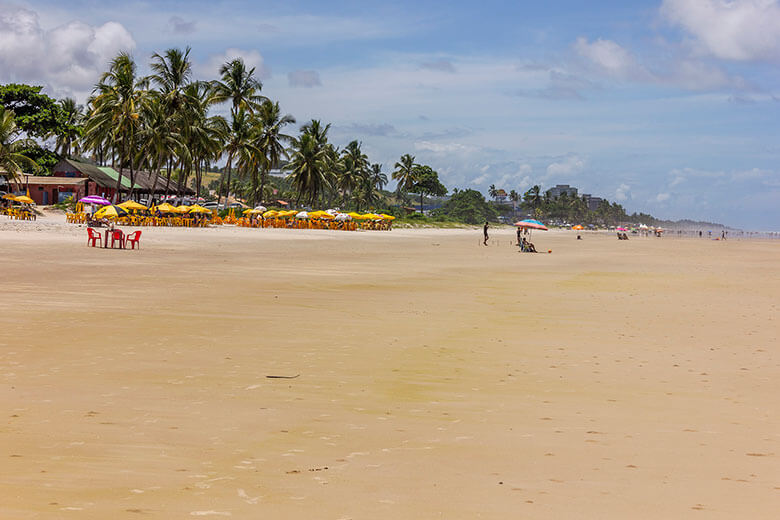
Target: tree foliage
(467,206)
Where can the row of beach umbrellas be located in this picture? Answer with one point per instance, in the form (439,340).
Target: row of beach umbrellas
(325,215)
(20,198)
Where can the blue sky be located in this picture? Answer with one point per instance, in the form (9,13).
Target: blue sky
(669,107)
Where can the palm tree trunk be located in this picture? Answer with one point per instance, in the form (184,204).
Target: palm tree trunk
(168,174)
(119,174)
(421,203)
(219,193)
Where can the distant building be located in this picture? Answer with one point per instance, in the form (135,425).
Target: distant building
(501,196)
(559,189)
(591,201)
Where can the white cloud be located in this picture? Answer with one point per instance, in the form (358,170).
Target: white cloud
(623,192)
(610,57)
(252,59)
(661,197)
(68,58)
(740,30)
(570,165)
(428,146)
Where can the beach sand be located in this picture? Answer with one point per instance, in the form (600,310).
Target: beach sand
(436,378)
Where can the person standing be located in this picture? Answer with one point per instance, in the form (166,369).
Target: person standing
(485,233)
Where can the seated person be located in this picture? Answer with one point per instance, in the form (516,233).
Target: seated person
(528,246)
(625,237)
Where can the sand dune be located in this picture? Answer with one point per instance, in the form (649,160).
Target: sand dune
(436,378)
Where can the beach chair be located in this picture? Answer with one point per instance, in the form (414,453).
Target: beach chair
(118,235)
(133,238)
(93,237)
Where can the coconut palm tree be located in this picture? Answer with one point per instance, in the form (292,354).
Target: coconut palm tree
(239,86)
(308,167)
(240,143)
(159,140)
(354,171)
(272,140)
(67,139)
(378,179)
(533,198)
(12,160)
(493,192)
(172,72)
(116,112)
(404,174)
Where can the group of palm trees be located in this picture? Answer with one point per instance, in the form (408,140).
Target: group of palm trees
(162,123)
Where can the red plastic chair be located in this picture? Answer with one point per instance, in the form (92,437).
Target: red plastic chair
(134,238)
(118,236)
(93,237)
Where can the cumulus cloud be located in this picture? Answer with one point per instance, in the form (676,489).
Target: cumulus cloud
(569,165)
(68,58)
(442,147)
(623,192)
(740,30)
(661,197)
(610,57)
(304,78)
(252,59)
(439,65)
(181,26)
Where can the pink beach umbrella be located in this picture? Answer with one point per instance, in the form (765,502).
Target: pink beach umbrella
(95,199)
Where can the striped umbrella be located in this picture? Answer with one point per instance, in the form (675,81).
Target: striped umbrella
(110,211)
(95,199)
(531,223)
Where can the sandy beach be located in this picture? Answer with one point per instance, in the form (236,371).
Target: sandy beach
(433,377)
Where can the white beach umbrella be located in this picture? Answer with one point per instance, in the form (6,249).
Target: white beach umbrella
(261,209)
(302,214)
(342,217)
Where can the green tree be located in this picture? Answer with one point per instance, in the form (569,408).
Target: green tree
(116,112)
(272,140)
(426,182)
(404,174)
(71,130)
(36,114)
(239,86)
(12,159)
(468,206)
(310,162)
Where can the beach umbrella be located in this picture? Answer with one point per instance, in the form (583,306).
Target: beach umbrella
(301,214)
(577,227)
(183,209)
(24,199)
(530,223)
(386,217)
(94,199)
(166,208)
(132,205)
(199,209)
(9,196)
(270,214)
(621,229)
(261,209)
(110,211)
(342,217)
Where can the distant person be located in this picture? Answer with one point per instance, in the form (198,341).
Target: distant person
(519,236)
(699,234)
(579,237)
(485,232)
(723,235)
(528,247)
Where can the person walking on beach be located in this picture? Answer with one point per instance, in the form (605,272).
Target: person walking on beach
(519,236)
(485,233)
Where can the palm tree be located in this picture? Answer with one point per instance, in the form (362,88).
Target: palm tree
(68,137)
(116,111)
(12,160)
(515,198)
(493,192)
(272,139)
(404,174)
(532,197)
(238,85)
(159,139)
(308,167)
(241,136)
(172,74)
(354,170)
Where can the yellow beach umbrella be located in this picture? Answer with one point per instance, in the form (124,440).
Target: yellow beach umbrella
(386,217)
(166,208)
(270,213)
(354,215)
(199,209)
(9,196)
(24,199)
(183,209)
(132,205)
(110,211)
